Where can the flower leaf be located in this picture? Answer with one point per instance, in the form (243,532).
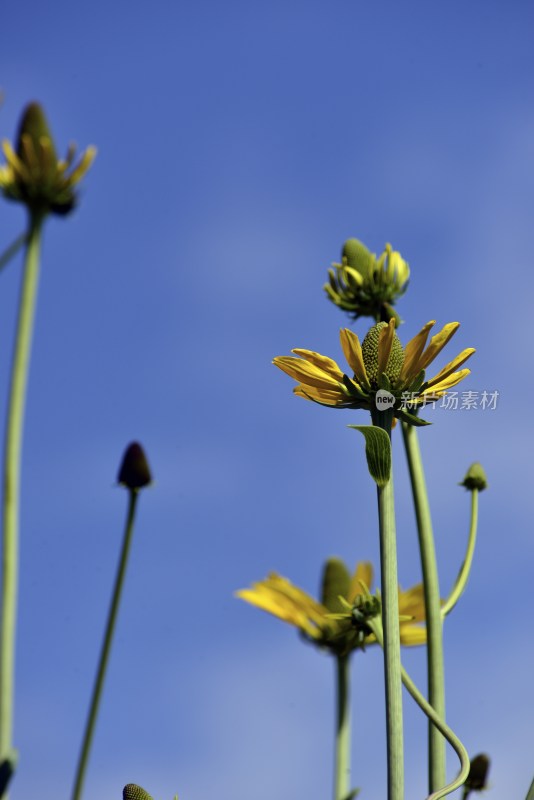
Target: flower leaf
(377,452)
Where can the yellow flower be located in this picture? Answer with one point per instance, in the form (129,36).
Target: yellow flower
(33,175)
(365,285)
(320,622)
(379,365)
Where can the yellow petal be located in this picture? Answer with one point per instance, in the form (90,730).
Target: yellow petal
(412,603)
(326,396)
(362,575)
(385,342)
(305,372)
(84,164)
(353,353)
(437,343)
(323,363)
(451,366)
(412,353)
(412,635)
(447,383)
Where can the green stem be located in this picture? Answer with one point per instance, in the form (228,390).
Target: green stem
(463,575)
(106,648)
(530,795)
(449,735)
(13,249)
(342,758)
(433,614)
(390,615)
(11,498)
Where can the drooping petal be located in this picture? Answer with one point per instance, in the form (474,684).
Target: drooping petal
(279,607)
(328,397)
(412,353)
(323,363)
(306,372)
(353,353)
(451,366)
(437,343)
(363,575)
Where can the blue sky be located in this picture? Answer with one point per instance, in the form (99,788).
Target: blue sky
(239,146)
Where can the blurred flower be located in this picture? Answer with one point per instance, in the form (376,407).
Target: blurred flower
(33,175)
(379,365)
(475,478)
(321,622)
(134,472)
(367,286)
(478,775)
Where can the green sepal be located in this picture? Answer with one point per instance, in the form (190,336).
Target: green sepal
(411,419)
(377,452)
(352,389)
(335,584)
(352,794)
(384,382)
(417,382)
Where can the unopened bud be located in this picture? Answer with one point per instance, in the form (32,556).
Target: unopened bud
(34,129)
(134,472)
(336,583)
(478,773)
(134,792)
(475,478)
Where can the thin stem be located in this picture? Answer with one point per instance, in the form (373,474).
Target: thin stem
(449,735)
(11,498)
(434,621)
(106,648)
(342,757)
(530,795)
(463,575)
(390,615)
(13,249)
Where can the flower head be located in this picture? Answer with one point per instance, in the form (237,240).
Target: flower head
(380,365)
(33,175)
(365,285)
(321,622)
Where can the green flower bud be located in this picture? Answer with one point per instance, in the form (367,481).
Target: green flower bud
(34,175)
(475,478)
(134,792)
(33,133)
(358,257)
(336,582)
(134,472)
(370,355)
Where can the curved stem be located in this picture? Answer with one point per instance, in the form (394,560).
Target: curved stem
(11,497)
(433,613)
(465,569)
(444,729)
(106,648)
(342,756)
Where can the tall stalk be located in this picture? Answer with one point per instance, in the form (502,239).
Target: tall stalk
(390,621)
(342,756)
(433,615)
(11,487)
